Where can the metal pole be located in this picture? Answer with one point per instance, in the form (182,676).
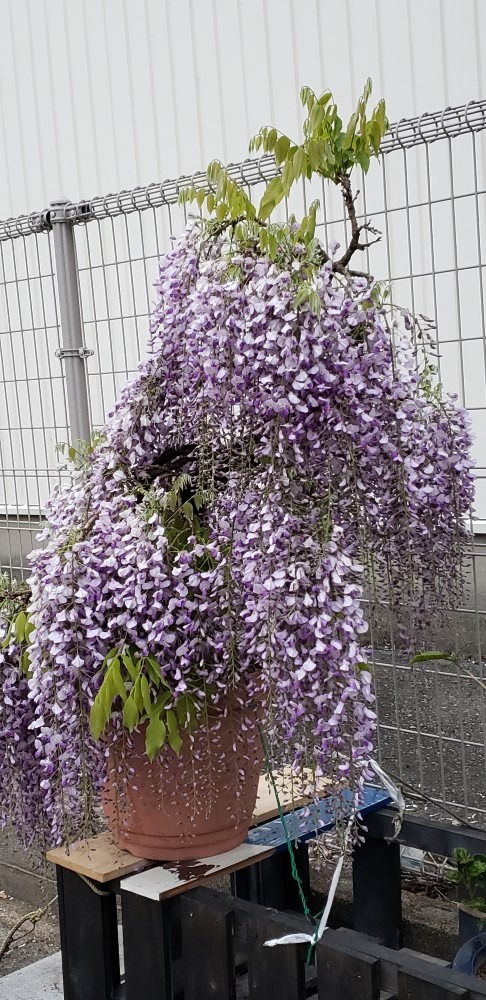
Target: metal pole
(72,351)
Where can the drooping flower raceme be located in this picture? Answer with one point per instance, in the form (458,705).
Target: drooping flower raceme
(319,466)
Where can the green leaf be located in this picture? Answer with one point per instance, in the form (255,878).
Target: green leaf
(211,201)
(187,510)
(131,714)
(350,131)
(221,211)
(161,702)
(155,736)
(25,662)
(453,877)
(477,868)
(145,689)
(175,742)
(307,98)
(108,690)
(154,670)
(174,739)
(136,693)
(6,641)
(364,160)
(368,667)
(266,210)
(221,184)
(433,655)
(302,296)
(272,246)
(172,723)
(213,170)
(182,709)
(113,654)
(117,679)
(316,117)
(314,302)
(375,135)
(281,148)
(273,193)
(128,662)
(367,89)
(171,500)
(29,628)
(379,116)
(303,227)
(288,176)
(313,154)
(97,719)
(200,196)
(299,162)
(101,709)
(271,139)
(20,624)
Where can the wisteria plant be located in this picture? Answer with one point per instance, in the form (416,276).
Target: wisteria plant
(284,452)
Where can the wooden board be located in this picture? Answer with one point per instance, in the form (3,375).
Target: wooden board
(102,861)
(97,858)
(175,877)
(290,794)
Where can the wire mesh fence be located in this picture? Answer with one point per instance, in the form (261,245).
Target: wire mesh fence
(33,403)
(427,195)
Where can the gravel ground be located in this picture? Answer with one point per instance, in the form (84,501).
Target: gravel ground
(30,942)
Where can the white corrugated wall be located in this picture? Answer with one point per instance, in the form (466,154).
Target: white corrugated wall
(98,95)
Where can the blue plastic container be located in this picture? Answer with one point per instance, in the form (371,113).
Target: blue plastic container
(471,956)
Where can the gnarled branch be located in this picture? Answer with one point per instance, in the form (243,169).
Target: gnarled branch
(355,243)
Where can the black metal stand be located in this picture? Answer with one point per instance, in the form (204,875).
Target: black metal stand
(271,882)
(147,947)
(89,939)
(377,899)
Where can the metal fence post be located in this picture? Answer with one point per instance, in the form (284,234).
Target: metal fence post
(72,351)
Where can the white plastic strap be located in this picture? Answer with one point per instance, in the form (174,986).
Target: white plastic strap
(319,931)
(395,794)
(399,802)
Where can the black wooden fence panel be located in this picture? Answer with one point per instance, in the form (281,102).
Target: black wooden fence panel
(224,955)
(211,946)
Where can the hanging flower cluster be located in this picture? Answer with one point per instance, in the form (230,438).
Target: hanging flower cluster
(308,462)
(282,457)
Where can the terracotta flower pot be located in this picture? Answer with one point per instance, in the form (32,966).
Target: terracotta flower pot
(192,805)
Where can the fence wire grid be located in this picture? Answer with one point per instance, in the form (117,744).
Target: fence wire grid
(427,194)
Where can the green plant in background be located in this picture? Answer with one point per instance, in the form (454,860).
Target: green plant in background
(471,876)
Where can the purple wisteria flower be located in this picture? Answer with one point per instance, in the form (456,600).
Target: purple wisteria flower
(326,470)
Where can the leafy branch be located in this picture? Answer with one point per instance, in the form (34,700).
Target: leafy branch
(137,682)
(328,150)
